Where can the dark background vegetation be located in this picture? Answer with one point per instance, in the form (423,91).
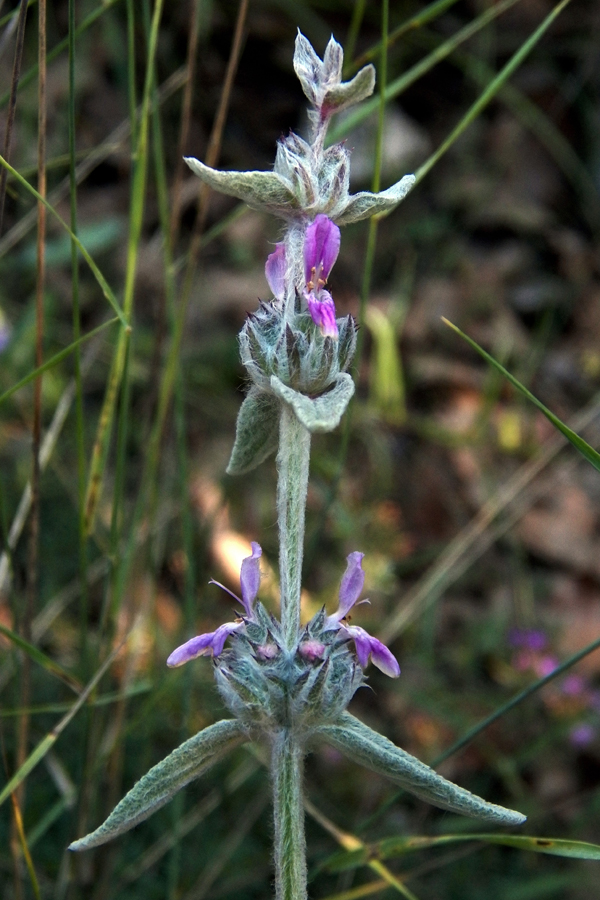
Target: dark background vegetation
(502,239)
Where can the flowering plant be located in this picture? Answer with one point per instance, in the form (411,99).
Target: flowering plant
(288,685)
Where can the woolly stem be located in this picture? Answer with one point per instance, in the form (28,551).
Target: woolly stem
(288,816)
(292,466)
(294,254)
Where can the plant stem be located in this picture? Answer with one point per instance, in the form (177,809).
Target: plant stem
(288,816)
(292,467)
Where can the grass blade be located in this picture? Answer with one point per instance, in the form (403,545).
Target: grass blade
(491,90)
(404,81)
(582,446)
(390,848)
(39,657)
(50,739)
(95,270)
(54,360)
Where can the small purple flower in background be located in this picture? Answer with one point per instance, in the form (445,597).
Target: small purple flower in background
(545,665)
(573,685)
(582,735)
(212,643)
(275,271)
(5,332)
(530,638)
(594,700)
(367,647)
(529,643)
(529,656)
(321,248)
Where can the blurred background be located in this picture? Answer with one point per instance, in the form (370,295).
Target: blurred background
(481,531)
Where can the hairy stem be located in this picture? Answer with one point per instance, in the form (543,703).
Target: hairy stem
(292,485)
(288,816)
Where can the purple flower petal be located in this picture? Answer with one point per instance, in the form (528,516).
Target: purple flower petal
(250,577)
(362,642)
(221,635)
(209,644)
(384,659)
(351,586)
(197,646)
(322,311)
(321,248)
(275,269)
(368,646)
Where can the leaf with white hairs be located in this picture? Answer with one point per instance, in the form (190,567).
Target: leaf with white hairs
(162,782)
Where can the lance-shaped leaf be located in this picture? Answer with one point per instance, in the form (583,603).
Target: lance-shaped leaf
(371,749)
(163,781)
(260,190)
(256,431)
(322,413)
(362,205)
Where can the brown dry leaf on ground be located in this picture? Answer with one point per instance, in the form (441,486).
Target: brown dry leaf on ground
(563,529)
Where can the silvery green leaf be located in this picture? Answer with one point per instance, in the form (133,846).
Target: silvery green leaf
(260,190)
(322,413)
(371,749)
(334,180)
(333,62)
(307,67)
(350,92)
(362,205)
(256,431)
(163,781)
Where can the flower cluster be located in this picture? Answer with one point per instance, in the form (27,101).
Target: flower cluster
(295,350)
(321,248)
(312,643)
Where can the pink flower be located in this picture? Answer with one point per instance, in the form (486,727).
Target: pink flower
(367,647)
(212,643)
(321,248)
(311,650)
